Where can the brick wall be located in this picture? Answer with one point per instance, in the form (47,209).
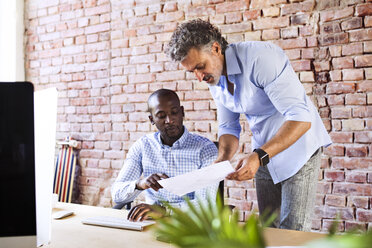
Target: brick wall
(106,57)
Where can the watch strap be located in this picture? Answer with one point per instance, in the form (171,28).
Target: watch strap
(263,156)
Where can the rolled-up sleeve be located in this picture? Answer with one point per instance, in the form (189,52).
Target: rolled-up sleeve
(124,188)
(274,73)
(228,122)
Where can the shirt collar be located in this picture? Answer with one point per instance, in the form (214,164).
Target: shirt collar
(179,143)
(232,64)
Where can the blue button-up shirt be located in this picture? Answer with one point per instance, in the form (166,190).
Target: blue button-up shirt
(149,155)
(268,92)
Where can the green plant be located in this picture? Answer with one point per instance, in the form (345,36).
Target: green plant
(352,239)
(209,225)
(215,225)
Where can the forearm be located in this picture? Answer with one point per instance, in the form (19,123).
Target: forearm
(124,191)
(286,136)
(227,147)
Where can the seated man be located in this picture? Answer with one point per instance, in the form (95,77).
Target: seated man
(170,152)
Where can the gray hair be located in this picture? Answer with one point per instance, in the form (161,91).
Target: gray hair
(193,34)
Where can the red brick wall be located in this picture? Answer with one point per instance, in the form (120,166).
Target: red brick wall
(106,57)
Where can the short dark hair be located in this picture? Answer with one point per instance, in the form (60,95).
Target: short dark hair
(161,93)
(193,34)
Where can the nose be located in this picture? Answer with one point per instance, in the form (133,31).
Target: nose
(167,119)
(199,75)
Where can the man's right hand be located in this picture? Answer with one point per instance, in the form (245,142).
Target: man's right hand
(151,182)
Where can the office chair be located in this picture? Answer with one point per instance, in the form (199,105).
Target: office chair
(221,190)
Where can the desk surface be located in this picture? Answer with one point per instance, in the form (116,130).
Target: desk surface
(70,232)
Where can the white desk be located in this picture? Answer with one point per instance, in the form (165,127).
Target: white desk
(70,232)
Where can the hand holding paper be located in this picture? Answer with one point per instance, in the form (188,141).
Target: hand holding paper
(197,179)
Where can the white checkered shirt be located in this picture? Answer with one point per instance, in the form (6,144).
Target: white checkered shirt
(148,156)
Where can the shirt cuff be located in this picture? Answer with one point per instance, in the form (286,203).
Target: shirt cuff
(223,130)
(298,114)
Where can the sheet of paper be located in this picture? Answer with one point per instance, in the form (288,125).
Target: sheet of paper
(197,179)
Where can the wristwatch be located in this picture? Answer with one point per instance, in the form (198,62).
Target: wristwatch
(263,156)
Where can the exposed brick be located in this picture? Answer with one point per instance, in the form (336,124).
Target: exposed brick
(352,74)
(271,11)
(357,201)
(268,23)
(353,124)
(364,215)
(350,163)
(340,112)
(335,200)
(236,28)
(321,66)
(352,23)
(270,34)
(363,137)
(356,99)
(335,75)
(289,32)
(233,17)
(330,28)
(335,100)
(232,6)
(352,49)
(364,9)
(336,14)
(251,14)
(324,187)
(291,43)
(342,63)
(334,176)
(364,86)
(360,35)
(237,193)
(352,189)
(351,226)
(363,61)
(301,65)
(297,7)
(331,39)
(356,176)
(328,223)
(333,88)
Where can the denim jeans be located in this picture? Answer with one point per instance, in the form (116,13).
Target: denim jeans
(293,198)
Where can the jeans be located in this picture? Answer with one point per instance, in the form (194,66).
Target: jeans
(294,197)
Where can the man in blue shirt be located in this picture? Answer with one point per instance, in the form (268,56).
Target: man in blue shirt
(170,152)
(256,79)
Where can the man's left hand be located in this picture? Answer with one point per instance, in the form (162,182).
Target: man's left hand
(246,168)
(143,211)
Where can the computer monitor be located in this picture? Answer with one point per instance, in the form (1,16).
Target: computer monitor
(17,165)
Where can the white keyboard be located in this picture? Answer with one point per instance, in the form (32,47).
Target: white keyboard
(115,222)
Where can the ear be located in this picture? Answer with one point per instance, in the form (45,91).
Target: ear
(216,48)
(183,111)
(151,119)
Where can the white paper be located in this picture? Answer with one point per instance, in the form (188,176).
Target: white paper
(45,106)
(197,179)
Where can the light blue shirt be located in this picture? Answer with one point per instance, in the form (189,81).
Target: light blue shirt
(268,92)
(149,155)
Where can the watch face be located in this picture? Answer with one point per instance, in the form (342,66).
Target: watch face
(265,160)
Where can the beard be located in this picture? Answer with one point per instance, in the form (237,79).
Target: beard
(211,79)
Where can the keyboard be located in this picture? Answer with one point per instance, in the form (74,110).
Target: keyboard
(116,222)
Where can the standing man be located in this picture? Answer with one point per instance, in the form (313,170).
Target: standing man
(256,79)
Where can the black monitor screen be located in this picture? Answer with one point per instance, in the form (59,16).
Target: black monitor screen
(17,160)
